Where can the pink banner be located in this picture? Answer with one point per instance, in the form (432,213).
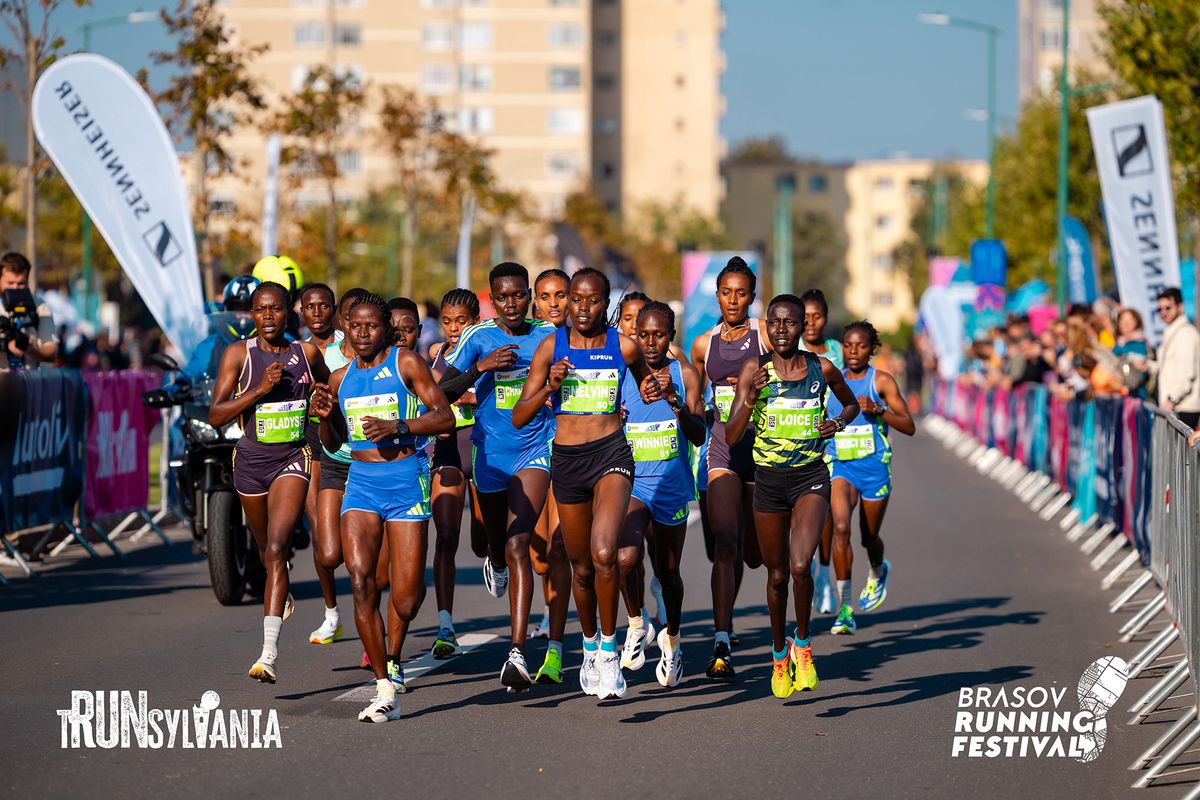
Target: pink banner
(1024,426)
(1001,420)
(941,270)
(1130,468)
(118,443)
(1060,442)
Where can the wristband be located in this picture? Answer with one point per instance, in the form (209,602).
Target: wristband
(749,404)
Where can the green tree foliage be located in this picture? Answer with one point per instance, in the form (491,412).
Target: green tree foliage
(819,258)
(944,222)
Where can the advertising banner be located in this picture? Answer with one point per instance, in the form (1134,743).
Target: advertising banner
(1082,283)
(118,443)
(699,271)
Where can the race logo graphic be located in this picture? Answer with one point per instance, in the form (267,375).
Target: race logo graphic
(162,243)
(1036,721)
(114,719)
(1133,150)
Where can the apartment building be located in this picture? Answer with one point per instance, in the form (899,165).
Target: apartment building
(1039,47)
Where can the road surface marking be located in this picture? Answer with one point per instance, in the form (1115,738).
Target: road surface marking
(418,667)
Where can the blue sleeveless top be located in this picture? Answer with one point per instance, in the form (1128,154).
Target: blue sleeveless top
(660,450)
(593,386)
(378,392)
(866,436)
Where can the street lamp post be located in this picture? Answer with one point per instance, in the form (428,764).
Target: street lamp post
(786,186)
(1064,121)
(945,20)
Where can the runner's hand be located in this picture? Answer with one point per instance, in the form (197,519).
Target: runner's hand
(321,401)
(827,429)
(558,373)
(1195,437)
(271,377)
(651,389)
(377,429)
(867,406)
(760,381)
(500,358)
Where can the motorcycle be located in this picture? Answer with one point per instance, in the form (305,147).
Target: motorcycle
(203,471)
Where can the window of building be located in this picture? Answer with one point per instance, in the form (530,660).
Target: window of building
(563,165)
(437,3)
(308,34)
(437,36)
(222,206)
(680,81)
(681,38)
(565,79)
(916,187)
(606,125)
(437,78)
(475,77)
(349,162)
(606,170)
(475,120)
(882,262)
(354,73)
(476,36)
(555,205)
(884,184)
(566,35)
(883,299)
(1051,39)
(347,34)
(564,120)
(884,222)
(606,38)
(680,124)
(605,80)
(817,184)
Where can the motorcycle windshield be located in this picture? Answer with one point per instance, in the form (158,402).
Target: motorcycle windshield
(224,328)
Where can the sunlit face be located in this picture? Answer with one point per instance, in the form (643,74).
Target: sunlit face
(1169,310)
(814,323)
(785,321)
(510,298)
(856,350)
(316,306)
(1127,323)
(552,300)
(368,330)
(406,328)
(654,334)
(10,279)
(627,324)
(456,319)
(735,296)
(588,303)
(269,311)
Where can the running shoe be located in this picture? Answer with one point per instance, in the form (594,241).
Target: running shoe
(782,674)
(633,654)
(396,675)
(329,632)
(365,661)
(823,597)
(875,592)
(721,664)
(289,606)
(845,624)
(612,680)
(589,673)
(382,709)
(515,673)
(660,605)
(551,671)
(542,631)
(734,638)
(263,670)
(495,580)
(803,667)
(670,667)
(445,645)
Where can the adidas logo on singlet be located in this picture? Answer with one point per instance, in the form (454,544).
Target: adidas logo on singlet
(294,360)
(383,373)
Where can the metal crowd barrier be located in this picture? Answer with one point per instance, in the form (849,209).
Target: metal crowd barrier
(1121,475)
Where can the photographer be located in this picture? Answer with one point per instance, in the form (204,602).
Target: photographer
(26,325)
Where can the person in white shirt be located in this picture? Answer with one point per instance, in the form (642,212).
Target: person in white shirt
(1178,360)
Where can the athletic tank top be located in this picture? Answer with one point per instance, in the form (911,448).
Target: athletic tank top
(377,392)
(724,361)
(659,447)
(279,416)
(786,417)
(464,415)
(593,386)
(335,360)
(833,351)
(867,435)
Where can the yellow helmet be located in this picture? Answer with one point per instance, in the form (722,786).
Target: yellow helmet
(279,269)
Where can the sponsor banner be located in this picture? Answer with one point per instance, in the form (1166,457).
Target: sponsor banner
(699,271)
(118,443)
(942,270)
(270,214)
(941,310)
(108,141)
(1130,144)
(989,262)
(1082,282)
(41,457)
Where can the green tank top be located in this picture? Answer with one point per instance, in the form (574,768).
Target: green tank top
(786,417)
(335,360)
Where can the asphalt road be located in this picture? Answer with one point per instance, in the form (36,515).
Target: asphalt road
(983,593)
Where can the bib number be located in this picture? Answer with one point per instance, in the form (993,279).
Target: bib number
(379,406)
(280,423)
(723,397)
(792,419)
(590,391)
(857,441)
(509,386)
(464,416)
(653,441)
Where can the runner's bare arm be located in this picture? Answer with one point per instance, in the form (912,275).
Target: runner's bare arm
(895,413)
(416,375)
(750,383)
(333,424)
(316,362)
(691,418)
(837,385)
(225,408)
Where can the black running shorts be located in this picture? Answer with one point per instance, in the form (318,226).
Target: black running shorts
(333,473)
(575,469)
(453,451)
(776,489)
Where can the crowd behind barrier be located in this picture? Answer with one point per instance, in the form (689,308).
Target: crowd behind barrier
(1123,471)
(74,452)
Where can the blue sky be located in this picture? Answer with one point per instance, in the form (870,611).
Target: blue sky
(837,79)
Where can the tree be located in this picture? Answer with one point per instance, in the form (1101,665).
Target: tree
(944,221)
(819,257)
(769,150)
(211,92)
(1151,46)
(314,122)
(35,47)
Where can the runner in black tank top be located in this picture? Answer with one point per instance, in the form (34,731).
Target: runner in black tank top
(719,357)
(265,383)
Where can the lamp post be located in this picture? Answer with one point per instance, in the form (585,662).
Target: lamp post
(133,18)
(945,20)
(786,186)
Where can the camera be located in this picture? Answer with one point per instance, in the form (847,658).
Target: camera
(19,317)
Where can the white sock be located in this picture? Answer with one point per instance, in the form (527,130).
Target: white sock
(332,613)
(271,628)
(721,636)
(637,623)
(843,591)
(445,620)
(877,572)
(672,643)
(384,688)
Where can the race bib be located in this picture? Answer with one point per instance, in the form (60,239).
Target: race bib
(792,419)
(280,423)
(653,441)
(723,397)
(509,386)
(464,416)
(590,391)
(857,441)
(380,406)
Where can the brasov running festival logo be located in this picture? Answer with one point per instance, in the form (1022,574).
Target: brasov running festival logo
(1035,721)
(121,719)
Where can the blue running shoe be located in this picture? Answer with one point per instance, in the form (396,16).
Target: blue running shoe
(396,676)
(875,592)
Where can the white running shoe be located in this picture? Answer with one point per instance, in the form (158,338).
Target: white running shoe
(515,672)
(633,654)
(823,597)
(612,680)
(382,709)
(660,605)
(329,632)
(263,670)
(289,606)
(542,631)
(589,673)
(495,580)
(670,667)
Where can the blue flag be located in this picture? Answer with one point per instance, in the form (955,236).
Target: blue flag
(1082,286)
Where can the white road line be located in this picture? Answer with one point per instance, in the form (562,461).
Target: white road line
(418,667)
